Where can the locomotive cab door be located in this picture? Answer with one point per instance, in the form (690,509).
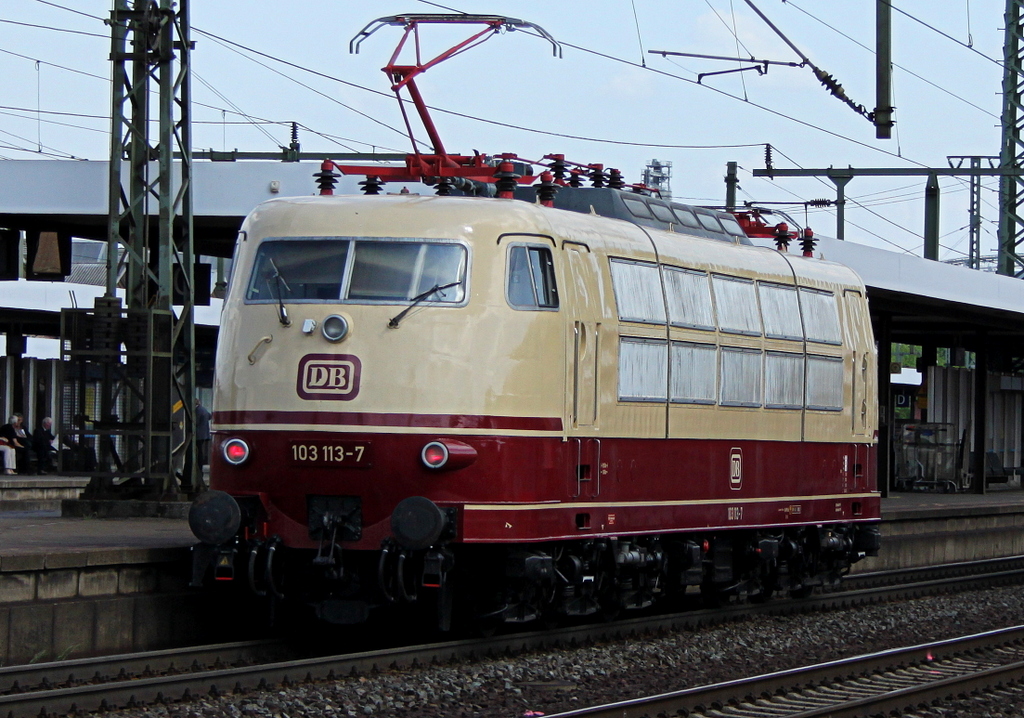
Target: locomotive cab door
(583,346)
(862,384)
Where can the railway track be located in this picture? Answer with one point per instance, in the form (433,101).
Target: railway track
(885,683)
(134,679)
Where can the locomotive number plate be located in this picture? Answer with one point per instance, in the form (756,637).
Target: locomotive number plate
(353,454)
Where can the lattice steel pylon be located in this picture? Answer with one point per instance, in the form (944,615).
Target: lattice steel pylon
(1011,154)
(143,374)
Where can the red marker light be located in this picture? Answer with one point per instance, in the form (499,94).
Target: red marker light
(235,451)
(434,455)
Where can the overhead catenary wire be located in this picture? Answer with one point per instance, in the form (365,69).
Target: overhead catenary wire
(655,145)
(639,38)
(238,46)
(53,29)
(599,139)
(467,116)
(925,80)
(945,35)
(237,109)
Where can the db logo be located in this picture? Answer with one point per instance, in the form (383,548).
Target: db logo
(736,469)
(328,376)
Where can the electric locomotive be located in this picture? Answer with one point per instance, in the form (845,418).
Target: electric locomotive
(539,412)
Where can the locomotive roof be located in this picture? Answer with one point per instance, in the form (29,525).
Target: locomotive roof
(431,216)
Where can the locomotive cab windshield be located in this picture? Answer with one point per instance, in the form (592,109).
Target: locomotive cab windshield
(361,271)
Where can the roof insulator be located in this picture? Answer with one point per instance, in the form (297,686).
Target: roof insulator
(371,185)
(546,189)
(781,234)
(506,177)
(808,242)
(326,178)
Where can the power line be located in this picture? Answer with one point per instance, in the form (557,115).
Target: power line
(54,122)
(51,64)
(901,67)
(54,29)
(76,12)
(451,112)
(237,109)
(769,110)
(948,37)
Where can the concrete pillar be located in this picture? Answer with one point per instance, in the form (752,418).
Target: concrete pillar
(15,383)
(980,413)
(883,335)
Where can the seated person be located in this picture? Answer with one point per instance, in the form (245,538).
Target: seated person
(9,432)
(9,457)
(42,445)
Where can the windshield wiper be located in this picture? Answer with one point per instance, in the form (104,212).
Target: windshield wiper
(419,298)
(282,313)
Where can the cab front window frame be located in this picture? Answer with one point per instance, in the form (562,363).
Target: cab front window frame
(349,276)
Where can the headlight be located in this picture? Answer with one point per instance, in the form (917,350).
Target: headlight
(447,455)
(334,328)
(434,455)
(235,451)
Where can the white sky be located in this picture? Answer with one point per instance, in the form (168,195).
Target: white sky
(632,113)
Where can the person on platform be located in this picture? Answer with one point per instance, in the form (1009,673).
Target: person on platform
(17,449)
(10,458)
(202,435)
(42,445)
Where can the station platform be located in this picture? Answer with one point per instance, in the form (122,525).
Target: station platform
(1000,498)
(76,587)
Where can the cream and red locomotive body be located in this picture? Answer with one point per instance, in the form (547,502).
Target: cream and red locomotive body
(534,410)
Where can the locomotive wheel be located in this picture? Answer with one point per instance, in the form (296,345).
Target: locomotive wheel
(766,587)
(802,592)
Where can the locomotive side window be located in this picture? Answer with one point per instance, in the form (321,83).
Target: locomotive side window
(689,298)
(783,380)
(741,377)
(731,225)
(531,278)
(824,383)
(694,373)
(643,369)
(736,302)
(637,288)
(821,316)
(686,217)
(300,269)
(637,208)
(663,213)
(780,311)
(709,222)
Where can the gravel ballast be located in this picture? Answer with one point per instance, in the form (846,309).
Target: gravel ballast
(552,681)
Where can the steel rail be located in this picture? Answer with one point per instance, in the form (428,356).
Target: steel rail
(140,688)
(19,678)
(717,696)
